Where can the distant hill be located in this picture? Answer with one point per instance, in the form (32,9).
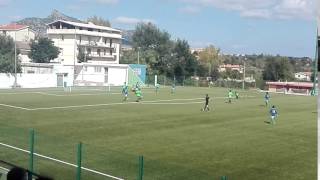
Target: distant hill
(39,24)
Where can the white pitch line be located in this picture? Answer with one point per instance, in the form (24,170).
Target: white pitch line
(111,104)
(4,169)
(16,107)
(60,161)
(186,103)
(108,104)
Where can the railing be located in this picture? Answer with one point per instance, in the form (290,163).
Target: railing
(83,32)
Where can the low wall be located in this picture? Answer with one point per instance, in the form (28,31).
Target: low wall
(28,80)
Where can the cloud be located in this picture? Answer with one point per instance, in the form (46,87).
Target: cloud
(131,21)
(190,10)
(275,9)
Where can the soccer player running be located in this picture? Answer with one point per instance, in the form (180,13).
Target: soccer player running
(266,98)
(236,94)
(173,88)
(230,94)
(274,114)
(206,106)
(138,94)
(157,88)
(125,91)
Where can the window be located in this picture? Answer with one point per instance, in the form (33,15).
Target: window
(99,51)
(104,52)
(105,40)
(62,37)
(110,51)
(80,39)
(89,51)
(110,42)
(97,69)
(85,68)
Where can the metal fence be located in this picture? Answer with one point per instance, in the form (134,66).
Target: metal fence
(198,82)
(59,158)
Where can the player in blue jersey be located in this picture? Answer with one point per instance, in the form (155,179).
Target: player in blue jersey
(274,114)
(266,98)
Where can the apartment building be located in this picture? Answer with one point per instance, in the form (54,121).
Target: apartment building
(98,44)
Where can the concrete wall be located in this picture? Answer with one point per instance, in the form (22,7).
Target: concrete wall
(117,76)
(102,75)
(29,80)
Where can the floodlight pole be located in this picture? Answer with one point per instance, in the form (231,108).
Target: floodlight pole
(314,90)
(74,57)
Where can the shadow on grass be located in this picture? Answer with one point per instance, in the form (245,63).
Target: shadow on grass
(267,122)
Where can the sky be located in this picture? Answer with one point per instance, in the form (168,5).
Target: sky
(284,27)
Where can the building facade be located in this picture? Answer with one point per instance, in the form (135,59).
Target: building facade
(20,33)
(97,44)
(303,76)
(232,67)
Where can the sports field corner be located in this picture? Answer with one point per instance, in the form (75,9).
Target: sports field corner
(176,139)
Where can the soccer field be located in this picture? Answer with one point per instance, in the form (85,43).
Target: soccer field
(177,140)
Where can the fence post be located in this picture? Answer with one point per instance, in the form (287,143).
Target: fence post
(31,152)
(79,158)
(140,175)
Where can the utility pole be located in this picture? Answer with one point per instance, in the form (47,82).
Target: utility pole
(244,74)
(138,55)
(15,56)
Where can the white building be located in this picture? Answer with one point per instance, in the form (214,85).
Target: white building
(303,76)
(232,67)
(18,32)
(22,35)
(100,44)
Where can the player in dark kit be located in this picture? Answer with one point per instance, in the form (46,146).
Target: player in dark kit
(206,107)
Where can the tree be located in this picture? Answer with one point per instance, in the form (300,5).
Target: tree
(43,50)
(7,55)
(99,21)
(210,56)
(184,58)
(277,68)
(82,57)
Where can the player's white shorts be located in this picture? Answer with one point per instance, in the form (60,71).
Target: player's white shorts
(126,95)
(273,117)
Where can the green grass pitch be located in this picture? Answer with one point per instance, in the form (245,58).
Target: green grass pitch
(177,140)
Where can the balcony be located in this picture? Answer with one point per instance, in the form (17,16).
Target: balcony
(98,45)
(102,56)
(84,32)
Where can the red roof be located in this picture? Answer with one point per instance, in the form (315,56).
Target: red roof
(291,84)
(12,27)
